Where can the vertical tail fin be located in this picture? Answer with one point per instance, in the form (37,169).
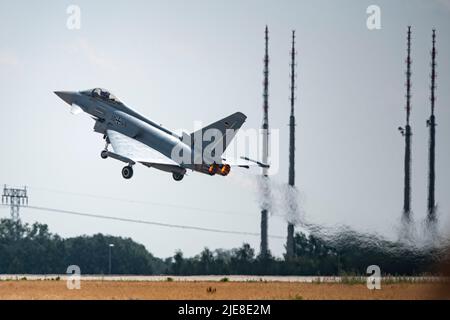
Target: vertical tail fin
(218,135)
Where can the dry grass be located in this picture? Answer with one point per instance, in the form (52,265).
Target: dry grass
(125,290)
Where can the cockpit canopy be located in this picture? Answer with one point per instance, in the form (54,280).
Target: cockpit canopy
(101,94)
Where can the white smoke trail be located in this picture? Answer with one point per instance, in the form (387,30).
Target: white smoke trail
(278,198)
(288,202)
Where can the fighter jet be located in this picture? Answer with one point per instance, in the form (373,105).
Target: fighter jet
(136,139)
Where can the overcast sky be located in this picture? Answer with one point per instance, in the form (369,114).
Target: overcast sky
(183,61)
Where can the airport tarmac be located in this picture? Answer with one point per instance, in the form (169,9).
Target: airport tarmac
(220,278)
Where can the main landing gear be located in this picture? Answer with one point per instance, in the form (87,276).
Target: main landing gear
(127,172)
(177,176)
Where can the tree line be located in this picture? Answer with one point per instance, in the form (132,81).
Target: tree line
(33,249)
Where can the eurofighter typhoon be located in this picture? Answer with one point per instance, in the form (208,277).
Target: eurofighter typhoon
(136,139)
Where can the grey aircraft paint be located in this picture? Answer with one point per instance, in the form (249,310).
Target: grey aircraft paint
(111,115)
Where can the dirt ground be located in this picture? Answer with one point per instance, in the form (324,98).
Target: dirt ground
(126,290)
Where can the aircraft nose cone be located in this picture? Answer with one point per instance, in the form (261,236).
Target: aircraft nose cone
(67,96)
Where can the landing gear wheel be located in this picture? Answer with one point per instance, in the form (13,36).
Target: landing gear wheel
(104,154)
(127,172)
(177,176)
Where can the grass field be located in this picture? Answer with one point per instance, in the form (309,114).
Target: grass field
(126,290)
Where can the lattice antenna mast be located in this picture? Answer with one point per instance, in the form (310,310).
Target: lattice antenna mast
(406,132)
(265,148)
(265,125)
(431,123)
(292,116)
(408,78)
(16,198)
(290,229)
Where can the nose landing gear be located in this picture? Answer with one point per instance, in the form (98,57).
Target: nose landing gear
(104,153)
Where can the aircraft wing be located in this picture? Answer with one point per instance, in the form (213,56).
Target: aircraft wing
(130,148)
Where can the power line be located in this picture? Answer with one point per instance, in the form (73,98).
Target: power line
(160,204)
(161,224)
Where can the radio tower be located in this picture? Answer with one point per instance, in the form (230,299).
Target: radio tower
(290,229)
(406,132)
(16,198)
(431,123)
(265,150)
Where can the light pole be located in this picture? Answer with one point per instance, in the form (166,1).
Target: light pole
(110,247)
